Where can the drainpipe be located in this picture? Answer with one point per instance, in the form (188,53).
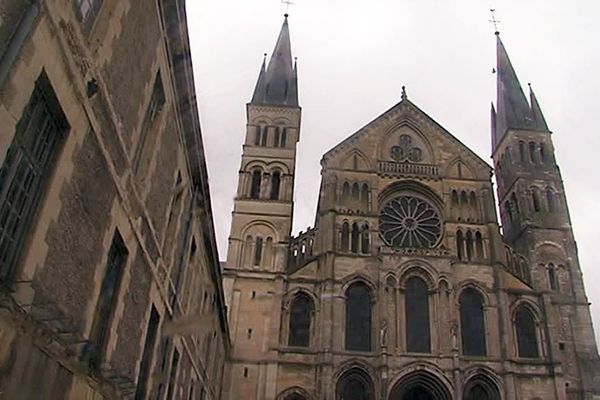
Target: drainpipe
(16,42)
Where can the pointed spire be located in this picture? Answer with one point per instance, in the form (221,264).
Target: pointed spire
(538,116)
(277,83)
(512,109)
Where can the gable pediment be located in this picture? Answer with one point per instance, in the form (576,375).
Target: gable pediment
(406,138)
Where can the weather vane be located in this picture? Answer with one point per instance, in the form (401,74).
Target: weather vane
(287,3)
(493,20)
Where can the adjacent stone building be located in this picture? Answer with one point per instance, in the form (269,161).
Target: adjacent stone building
(109,272)
(407,287)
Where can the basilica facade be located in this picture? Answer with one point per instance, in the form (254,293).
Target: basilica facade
(409,285)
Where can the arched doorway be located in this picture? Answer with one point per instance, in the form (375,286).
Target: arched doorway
(420,385)
(355,384)
(481,387)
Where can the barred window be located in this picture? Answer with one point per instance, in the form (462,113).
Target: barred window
(29,160)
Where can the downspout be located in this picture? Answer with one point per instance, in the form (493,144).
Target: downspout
(16,42)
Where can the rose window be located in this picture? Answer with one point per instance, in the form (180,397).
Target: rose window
(409,221)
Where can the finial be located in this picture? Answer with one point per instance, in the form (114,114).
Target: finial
(495,22)
(404,97)
(287,3)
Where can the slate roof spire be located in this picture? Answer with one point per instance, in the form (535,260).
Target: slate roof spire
(512,109)
(278,82)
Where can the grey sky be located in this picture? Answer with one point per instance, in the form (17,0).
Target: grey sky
(353,58)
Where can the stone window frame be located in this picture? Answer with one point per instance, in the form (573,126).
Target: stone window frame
(353,280)
(539,331)
(288,299)
(485,304)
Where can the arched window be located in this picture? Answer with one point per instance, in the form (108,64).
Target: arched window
(460,240)
(258,250)
(301,312)
(417,316)
(345,237)
(526,333)
(464,202)
(535,197)
(472,323)
(532,155)
(550,199)
(522,151)
(265,136)
(481,387)
(276,137)
(552,282)
(275,183)
(268,257)
(515,202)
(255,185)
(355,192)
(248,251)
(358,317)
(473,204)
(469,240)
(543,157)
(365,240)
(284,137)
(346,192)
(479,246)
(364,196)
(354,238)
(257,136)
(454,199)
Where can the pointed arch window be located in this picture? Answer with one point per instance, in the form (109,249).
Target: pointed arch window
(515,202)
(355,192)
(469,241)
(364,196)
(479,246)
(365,240)
(417,316)
(508,210)
(454,199)
(301,312)
(345,237)
(275,183)
(358,317)
(543,157)
(354,239)
(346,192)
(472,323)
(522,151)
(526,331)
(460,240)
(255,184)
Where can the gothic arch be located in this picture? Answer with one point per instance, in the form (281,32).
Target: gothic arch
(420,377)
(458,168)
(291,294)
(348,160)
(418,268)
(483,290)
(294,393)
(416,128)
(355,371)
(481,384)
(358,277)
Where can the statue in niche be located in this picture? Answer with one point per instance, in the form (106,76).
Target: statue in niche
(383,331)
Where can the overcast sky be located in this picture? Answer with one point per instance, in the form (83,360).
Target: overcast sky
(353,58)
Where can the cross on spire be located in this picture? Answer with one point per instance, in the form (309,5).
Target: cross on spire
(494,21)
(287,3)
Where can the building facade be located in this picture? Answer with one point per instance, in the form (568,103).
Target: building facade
(109,273)
(407,287)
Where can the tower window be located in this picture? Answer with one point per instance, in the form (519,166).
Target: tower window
(354,239)
(550,199)
(145,145)
(258,247)
(284,137)
(417,316)
(255,185)
(257,136)
(276,137)
(522,151)
(365,239)
(543,158)
(469,240)
(479,246)
(345,237)
(460,240)
(265,136)
(532,156)
(148,351)
(29,161)
(535,197)
(552,281)
(275,183)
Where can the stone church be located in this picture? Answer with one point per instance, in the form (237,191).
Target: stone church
(409,285)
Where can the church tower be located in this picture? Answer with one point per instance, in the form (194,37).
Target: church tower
(262,222)
(535,220)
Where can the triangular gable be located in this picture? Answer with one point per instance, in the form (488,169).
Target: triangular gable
(405,103)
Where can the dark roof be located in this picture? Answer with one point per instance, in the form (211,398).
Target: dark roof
(512,109)
(278,82)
